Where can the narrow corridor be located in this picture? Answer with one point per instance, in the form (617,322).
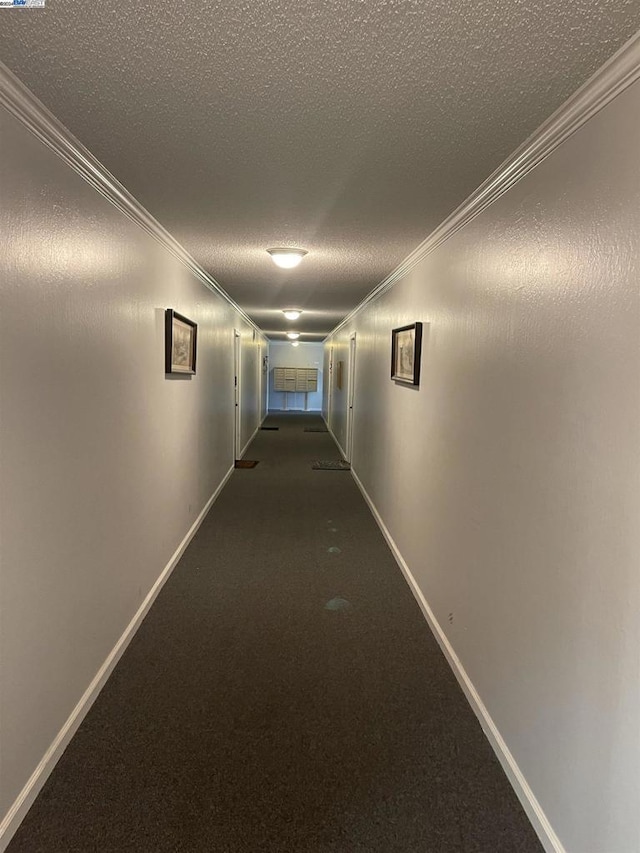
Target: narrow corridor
(283,694)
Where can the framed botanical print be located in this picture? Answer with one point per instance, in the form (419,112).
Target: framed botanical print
(406,349)
(180,343)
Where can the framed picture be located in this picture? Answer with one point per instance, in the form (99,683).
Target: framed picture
(180,343)
(406,347)
(339,377)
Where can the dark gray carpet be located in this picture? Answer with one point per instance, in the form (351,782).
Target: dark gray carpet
(283,694)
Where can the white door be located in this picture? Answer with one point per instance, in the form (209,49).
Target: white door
(350,395)
(329,381)
(236,394)
(262,379)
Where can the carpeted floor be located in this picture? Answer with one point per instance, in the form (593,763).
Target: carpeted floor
(283,695)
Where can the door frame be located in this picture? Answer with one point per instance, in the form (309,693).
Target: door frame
(330,387)
(237,397)
(350,396)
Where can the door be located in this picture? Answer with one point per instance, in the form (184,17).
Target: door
(329,381)
(350,395)
(264,395)
(237,449)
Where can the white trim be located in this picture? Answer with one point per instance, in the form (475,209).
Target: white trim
(295,411)
(351,383)
(24,106)
(532,807)
(237,394)
(611,79)
(27,796)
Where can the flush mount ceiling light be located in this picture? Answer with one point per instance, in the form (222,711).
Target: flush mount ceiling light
(287,258)
(293,335)
(295,343)
(292,313)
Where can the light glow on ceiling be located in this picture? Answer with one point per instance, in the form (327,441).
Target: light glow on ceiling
(295,344)
(287,258)
(292,313)
(293,335)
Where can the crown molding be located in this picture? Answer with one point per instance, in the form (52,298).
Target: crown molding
(18,100)
(611,79)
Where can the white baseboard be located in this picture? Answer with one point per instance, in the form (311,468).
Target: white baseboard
(532,807)
(27,796)
(296,411)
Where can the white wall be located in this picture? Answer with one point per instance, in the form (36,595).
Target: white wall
(282,354)
(105,462)
(510,481)
(253,383)
(335,401)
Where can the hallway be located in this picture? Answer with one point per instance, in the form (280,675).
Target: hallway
(247,715)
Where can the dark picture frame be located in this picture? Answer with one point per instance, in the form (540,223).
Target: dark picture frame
(406,350)
(180,340)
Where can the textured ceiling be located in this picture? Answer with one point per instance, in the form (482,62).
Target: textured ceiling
(349,127)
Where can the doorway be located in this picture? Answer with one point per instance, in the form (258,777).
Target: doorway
(237,449)
(329,380)
(350,396)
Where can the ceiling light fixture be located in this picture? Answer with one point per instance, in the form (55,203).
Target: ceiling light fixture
(293,335)
(292,313)
(287,258)
(295,343)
